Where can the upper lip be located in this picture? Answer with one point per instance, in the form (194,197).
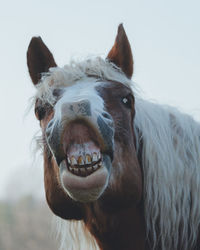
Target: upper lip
(60,152)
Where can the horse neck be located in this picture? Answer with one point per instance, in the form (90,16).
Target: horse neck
(123,229)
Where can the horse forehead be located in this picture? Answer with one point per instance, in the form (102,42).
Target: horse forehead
(82,90)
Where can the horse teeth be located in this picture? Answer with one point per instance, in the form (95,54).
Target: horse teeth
(71,169)
(89,169)
(88,159)
(94,157)
(76,170)
(99,155)
(80,160)
(73,161)
(82,170)
(95,167)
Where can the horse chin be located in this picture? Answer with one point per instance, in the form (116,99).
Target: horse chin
(85,188)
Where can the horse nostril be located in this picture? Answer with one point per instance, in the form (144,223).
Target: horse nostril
(108,119)
(106,115)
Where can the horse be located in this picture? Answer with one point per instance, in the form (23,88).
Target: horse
(120,172)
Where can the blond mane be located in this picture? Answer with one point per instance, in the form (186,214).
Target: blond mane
(69,74)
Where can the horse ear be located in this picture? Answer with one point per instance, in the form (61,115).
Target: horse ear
(121,54)
(39,59)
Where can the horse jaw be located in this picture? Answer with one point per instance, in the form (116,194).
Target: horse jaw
(88,188)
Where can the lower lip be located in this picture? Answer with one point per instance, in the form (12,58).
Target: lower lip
(97,179)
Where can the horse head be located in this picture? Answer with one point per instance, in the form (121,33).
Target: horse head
(88,129)
(86,112)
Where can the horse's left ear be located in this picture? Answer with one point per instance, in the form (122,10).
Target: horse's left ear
(121,54)
(39,59)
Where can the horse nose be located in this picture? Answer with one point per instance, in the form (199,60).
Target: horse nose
(79,108)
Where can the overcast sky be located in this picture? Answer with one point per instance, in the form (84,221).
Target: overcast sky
(165,39)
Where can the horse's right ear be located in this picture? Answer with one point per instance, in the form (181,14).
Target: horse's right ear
(39,59)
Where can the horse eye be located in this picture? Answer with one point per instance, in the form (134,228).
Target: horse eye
(127,101)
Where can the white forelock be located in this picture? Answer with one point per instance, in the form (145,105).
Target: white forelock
(75,71)
(170,156)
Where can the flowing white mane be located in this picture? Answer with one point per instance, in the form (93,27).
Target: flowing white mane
(170,156)
(171,166)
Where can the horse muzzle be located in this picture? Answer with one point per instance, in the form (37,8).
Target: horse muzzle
(81,142)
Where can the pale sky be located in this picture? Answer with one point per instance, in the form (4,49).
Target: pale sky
(165,39)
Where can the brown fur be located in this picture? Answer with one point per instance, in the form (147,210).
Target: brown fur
(116,220)
(39,59)
(122,229)
(121,54)
(59,202)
